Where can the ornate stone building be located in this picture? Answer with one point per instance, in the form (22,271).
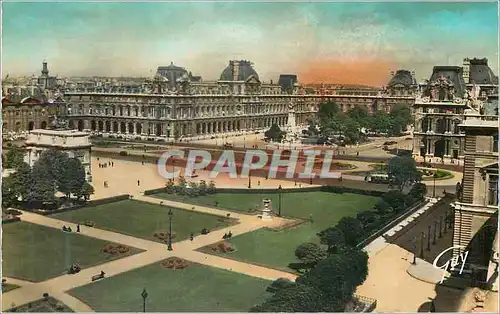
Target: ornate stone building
(27,106)
(75,144)
(177,105)
(476,211)
(443,101)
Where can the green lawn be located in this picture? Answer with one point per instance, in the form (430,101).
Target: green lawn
(276,248)
(325,208)
(6,287)
(142,219)
(37,253)
(196,288)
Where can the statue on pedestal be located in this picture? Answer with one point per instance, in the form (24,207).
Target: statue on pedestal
(266,211)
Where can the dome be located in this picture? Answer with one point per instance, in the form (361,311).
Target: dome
(238,71)
(403,77)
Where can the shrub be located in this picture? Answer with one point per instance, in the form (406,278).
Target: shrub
(439,174)
(123,153)
(395,199)
(382,207)
(46,296)
(352,230)
(367,217)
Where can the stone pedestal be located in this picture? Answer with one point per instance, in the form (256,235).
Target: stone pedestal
(266,210)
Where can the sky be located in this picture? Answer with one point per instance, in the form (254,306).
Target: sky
(330,42)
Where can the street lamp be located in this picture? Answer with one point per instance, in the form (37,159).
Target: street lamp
(249,180)
(435,231)
(440,227)
(422,236)
(429,238)
(170,214)
(144,296)
(279,200)
(414,251)
(434,185)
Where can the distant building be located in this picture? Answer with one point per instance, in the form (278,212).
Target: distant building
(27,106)
(443,101)
(74,143)
(476,211)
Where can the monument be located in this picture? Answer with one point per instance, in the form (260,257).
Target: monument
(291,136)
(73,142)
(266,210)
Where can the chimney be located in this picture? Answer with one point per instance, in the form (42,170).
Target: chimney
(236,70)
(466,70)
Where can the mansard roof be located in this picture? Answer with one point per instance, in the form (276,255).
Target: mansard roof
(481,73)
(403,77)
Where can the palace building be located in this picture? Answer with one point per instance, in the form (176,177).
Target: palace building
(175,104)
(476,211)
(443,100)
(29,105)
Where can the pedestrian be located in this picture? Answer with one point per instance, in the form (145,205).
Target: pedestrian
(191,236)
(142,162)
(357,153)
(258,183)
(112,164)
(138,183)
(78,228)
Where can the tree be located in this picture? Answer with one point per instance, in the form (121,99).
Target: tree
(21,181)
(360,115)
(86,190)
(309,254)
(9,195)
(337,278)
(367,217)
(351,130)
(382,207)
(333,237)
(275,133)
(400,119)
(403,169)
(352,230)
(72,178)
(328,110)
(380,122)
(395,199)
(297,298)
(14,157)
(42,189)
(280,284)
(418,191)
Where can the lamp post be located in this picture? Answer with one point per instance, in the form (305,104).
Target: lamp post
(435,231)
(434,185)
(170,214)
(249,180)
(144,296)
(440,227)
(429,238)
(173,166)
(279,200)
(422,236)
(414,262)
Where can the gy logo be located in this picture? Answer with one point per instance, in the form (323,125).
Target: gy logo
(454,261)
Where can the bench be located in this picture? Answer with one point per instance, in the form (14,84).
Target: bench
(97,277)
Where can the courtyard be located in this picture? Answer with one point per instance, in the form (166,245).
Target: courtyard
(36,253)
(195,288)
(143,220)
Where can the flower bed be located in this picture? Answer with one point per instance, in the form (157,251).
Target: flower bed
(222,247)
(175,263)
(116,249)
(163,235)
